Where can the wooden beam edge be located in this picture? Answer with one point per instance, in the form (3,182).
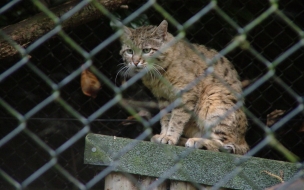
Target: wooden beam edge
(184,164)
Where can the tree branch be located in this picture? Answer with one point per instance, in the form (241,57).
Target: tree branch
(28,30)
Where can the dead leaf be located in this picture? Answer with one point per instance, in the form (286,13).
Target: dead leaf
(90,85)
(131,119)
(245,83)
(274,116)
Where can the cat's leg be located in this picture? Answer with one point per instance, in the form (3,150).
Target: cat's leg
(180,116)
(171,134)
(223,126)
(218,138)
(164,122)
(209,142)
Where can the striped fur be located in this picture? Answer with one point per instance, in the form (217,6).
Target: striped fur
(206,116)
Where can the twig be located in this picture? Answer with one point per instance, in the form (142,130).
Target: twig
(280,178)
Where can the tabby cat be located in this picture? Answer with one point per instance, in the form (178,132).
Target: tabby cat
(205,108)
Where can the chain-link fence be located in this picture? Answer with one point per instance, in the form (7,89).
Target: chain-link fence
(46,45)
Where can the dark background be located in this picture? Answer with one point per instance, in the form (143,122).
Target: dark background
(23,90)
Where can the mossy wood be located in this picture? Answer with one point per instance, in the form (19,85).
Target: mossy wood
(184,164)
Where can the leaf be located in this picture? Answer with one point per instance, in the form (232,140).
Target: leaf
(274,116)
(90,85)
(131,119)
(245,83)
(141,20)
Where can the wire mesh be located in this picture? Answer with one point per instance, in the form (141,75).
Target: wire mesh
(45,116)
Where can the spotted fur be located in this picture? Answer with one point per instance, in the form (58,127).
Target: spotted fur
(207,115)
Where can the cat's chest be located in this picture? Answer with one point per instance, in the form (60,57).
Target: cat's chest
(159,89)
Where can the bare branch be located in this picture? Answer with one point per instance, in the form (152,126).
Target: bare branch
(28,30)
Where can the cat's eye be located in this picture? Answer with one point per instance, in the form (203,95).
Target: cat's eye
(146,50)
(129,51)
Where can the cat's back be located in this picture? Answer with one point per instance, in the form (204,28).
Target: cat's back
(222,67)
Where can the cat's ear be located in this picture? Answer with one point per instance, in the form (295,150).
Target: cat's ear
(161,30)
(116,24)
(127,35)
(127,31)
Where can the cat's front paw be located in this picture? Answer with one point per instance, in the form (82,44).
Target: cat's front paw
(164,139)
(201,143)
(228,148)
(195,143)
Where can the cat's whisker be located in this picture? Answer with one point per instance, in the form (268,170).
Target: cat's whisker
(153,74)
(130,71)
(127,72)
(120,64)
(121,70)
(153,69)
(157,72)
(149,71)
(158,66)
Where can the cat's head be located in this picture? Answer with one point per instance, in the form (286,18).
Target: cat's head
(140,47)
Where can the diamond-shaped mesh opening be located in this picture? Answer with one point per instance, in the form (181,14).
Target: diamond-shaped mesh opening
(23,90)
(275,42)
(21,157)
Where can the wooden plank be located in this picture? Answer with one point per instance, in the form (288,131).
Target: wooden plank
(181,185)
(183,164)
(117,180)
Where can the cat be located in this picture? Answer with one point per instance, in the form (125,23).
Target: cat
(206,108)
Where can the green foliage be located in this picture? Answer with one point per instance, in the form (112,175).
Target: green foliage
(141,20)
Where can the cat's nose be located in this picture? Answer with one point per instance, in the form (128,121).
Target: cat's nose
(136,62)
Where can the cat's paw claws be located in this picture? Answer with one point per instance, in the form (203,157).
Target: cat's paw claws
(157,138)
(168,140)
(229,148)
(192,143)
(201,143)
(163,139)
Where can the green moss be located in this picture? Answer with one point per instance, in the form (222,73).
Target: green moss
(184,164)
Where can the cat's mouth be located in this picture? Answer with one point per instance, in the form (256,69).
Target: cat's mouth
(130,69)
(137,67)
